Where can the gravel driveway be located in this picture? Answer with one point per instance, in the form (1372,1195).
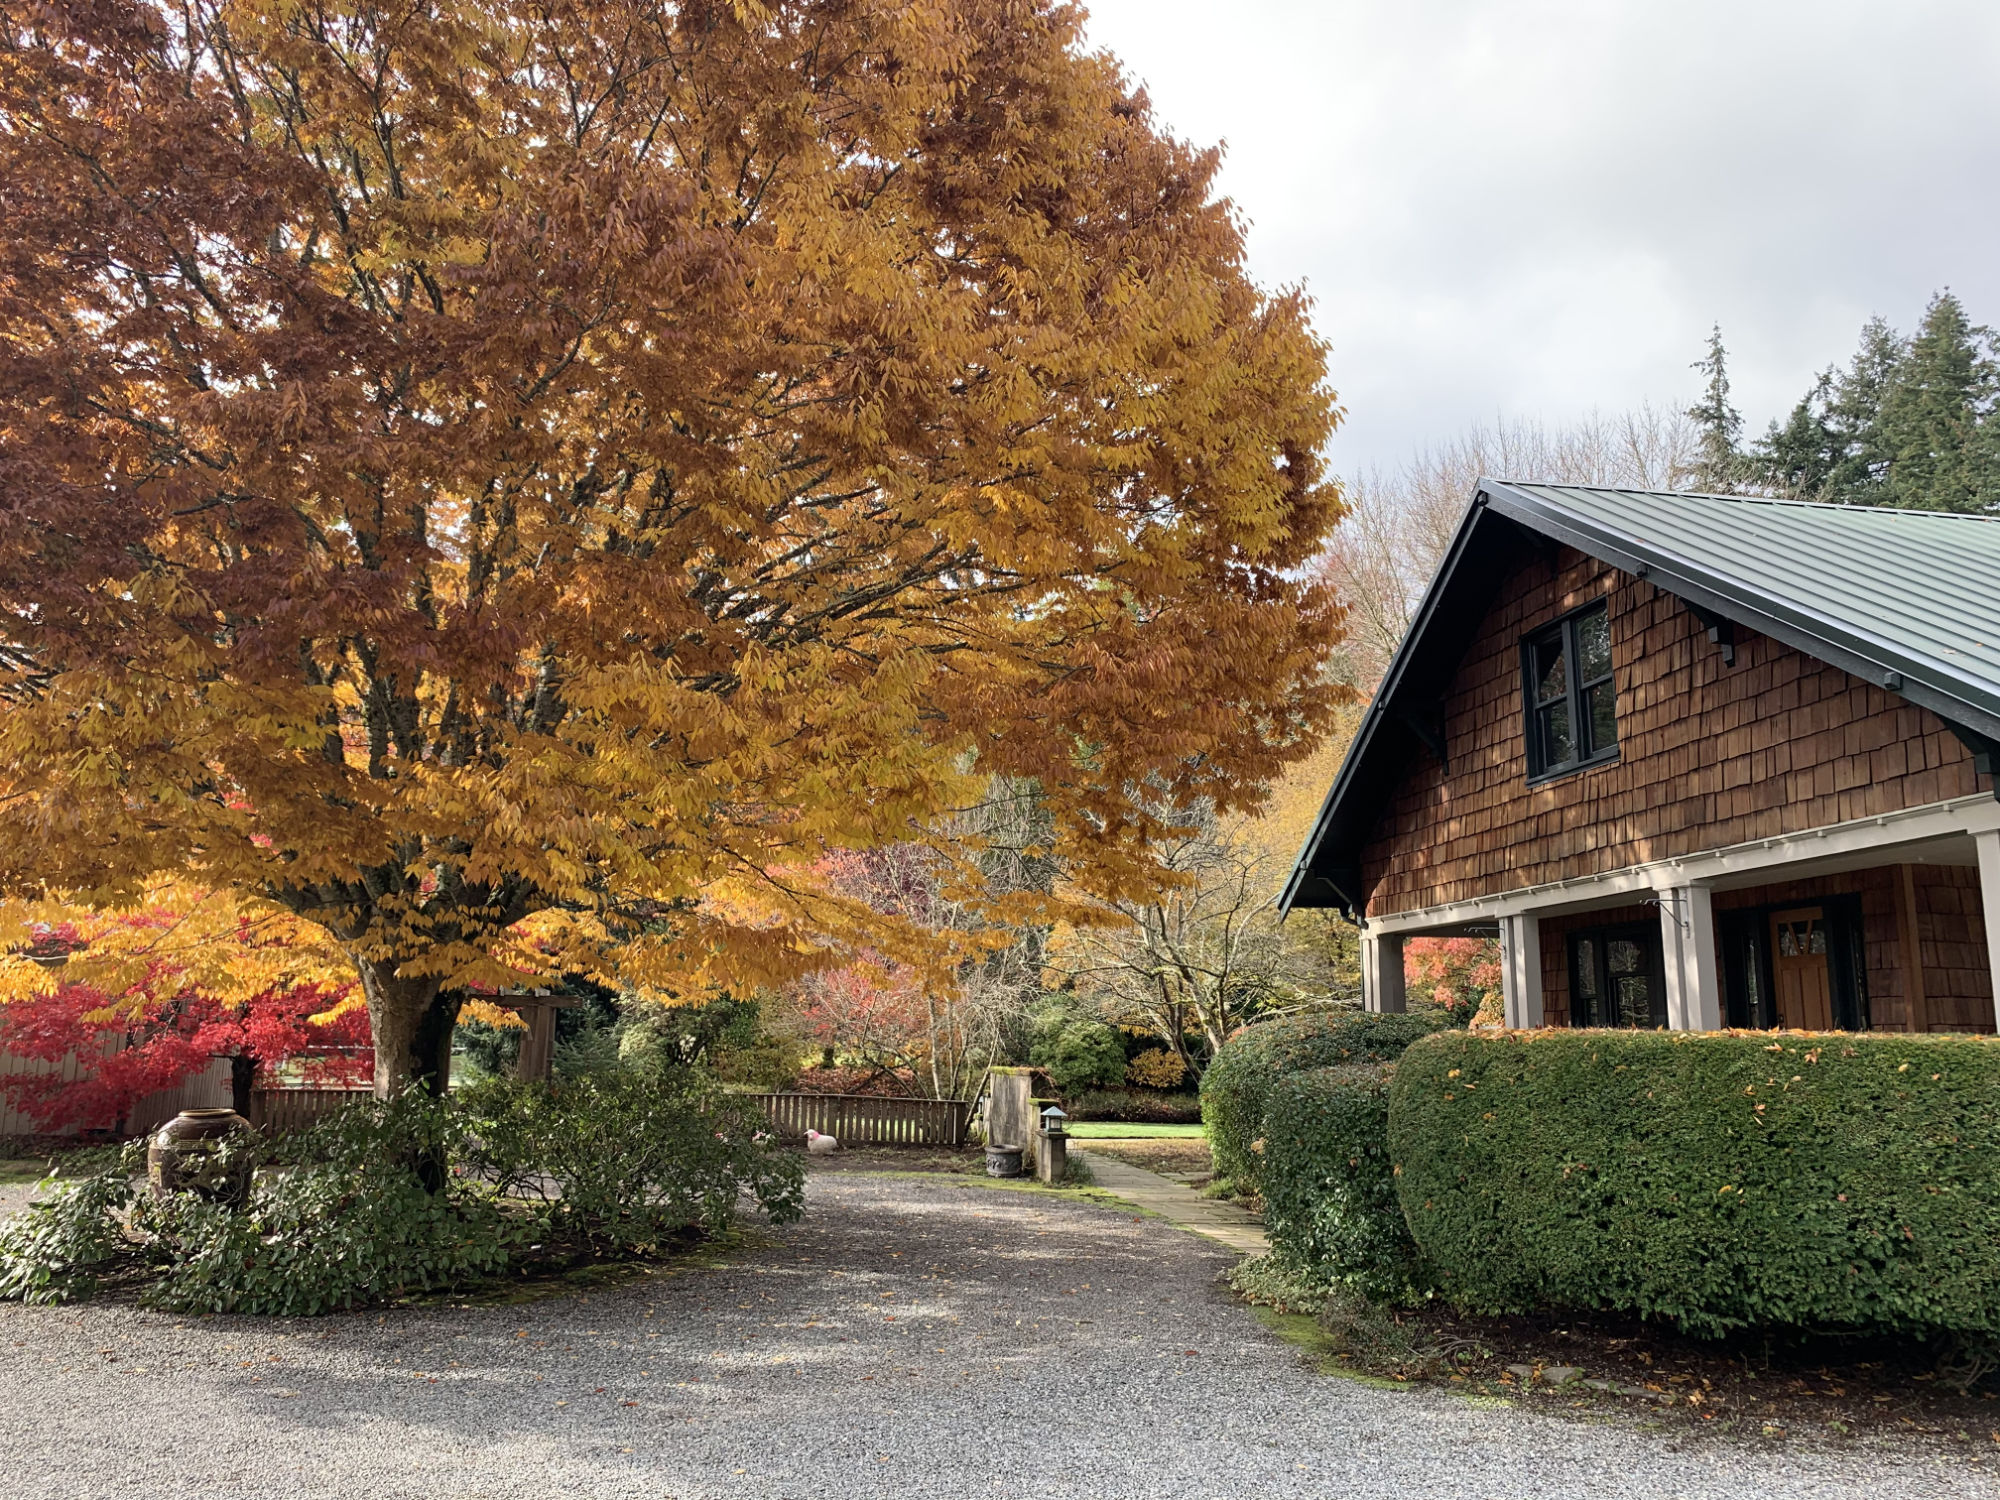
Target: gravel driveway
(918,1338)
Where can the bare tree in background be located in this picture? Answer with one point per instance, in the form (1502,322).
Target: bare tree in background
(1382,557)
(1201,958)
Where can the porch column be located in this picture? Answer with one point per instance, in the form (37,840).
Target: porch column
(1521,970)
(1687,946)
(1988,845)
(1382,971)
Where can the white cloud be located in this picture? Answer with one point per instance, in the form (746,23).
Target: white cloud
(1537,207)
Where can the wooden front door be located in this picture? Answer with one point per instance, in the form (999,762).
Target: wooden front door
(1801,977)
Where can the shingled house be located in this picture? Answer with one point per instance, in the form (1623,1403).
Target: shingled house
(1698,760)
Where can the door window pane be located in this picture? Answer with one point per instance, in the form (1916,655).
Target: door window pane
(1634,995)
(1586,968)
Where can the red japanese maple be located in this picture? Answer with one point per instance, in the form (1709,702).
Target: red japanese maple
(126,1047)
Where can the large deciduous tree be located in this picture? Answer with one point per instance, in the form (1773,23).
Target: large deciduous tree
(516,485)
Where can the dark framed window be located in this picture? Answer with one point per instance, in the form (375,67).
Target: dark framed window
(1571,700)
(1617,977)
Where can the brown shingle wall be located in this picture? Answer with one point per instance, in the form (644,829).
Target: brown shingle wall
(1708,755)
(1951,937)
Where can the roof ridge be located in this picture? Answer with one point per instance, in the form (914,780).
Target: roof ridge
(1794,502)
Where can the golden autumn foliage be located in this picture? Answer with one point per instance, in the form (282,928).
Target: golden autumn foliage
(512,487)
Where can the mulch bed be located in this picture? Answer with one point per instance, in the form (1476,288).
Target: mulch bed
(1750,1384)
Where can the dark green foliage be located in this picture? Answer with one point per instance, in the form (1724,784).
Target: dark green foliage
(1079,1055)
(724,1035)
(1722,1181)
(344,1219)
(620,1161)
(1910,422)
(1329,1188)
(1941,448)
(55,1249)
(611,1164)
(1141,1106)
(1720,464)
(1238,1082)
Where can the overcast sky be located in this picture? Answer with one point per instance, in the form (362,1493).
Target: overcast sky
(1537,207)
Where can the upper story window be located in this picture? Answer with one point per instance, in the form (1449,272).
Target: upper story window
(1571,699)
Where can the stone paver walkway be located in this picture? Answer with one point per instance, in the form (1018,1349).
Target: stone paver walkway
(1179,1205)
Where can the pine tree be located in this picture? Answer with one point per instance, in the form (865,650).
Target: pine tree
(1720,464)
(1798,459)
(1854,416)
(1936,429)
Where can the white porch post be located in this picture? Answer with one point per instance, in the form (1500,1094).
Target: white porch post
(1687,944)
(1382,971)
(1521,969)
(1988,844)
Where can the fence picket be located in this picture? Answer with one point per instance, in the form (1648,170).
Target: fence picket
(867,1120)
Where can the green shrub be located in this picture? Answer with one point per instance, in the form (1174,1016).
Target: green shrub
(1136,1106)
(343,1219)
(621,1161)
(1238,1082)
(55,1249)
(1719,1180)
(1080,1055)
(1329,1188)
(609,1163)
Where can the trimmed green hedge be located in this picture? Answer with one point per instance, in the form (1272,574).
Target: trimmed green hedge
(1720,1180)
(1237,1084)
(1329,1188)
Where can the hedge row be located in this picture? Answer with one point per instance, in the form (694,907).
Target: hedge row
(1330,1205)
(1720,1180)
(1237,1084)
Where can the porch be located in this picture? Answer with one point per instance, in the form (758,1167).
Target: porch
(1885,924)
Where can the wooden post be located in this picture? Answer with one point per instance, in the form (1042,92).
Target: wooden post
(1988,844)
(1382,972)
(1689,956)
(1521,970)
(538,1047)
(1916,1004)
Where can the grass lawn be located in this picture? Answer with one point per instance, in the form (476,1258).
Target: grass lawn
(1105,1130)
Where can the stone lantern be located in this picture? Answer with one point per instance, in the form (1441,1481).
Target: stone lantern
(1052,1150)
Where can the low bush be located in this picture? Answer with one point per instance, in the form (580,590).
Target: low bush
(1722,1181)
(343,1219)
(1329,1187)
(1079,1055)
(621,1161)
(1135,1106)
(1238,1082)
(605,1165)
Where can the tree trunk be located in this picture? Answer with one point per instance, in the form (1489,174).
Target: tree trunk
(242,1074)
(410,1021)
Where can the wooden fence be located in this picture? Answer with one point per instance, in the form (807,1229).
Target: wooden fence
(863,1120)
(277,1110)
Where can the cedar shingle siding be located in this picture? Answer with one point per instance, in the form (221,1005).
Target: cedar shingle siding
(1709,756)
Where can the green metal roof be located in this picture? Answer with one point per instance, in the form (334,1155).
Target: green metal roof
(1908,600)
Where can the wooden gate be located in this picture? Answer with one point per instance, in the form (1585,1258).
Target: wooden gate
(863,1120)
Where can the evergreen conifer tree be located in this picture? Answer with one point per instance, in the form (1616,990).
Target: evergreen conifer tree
(1720,464)
(1936,429)
(1798,459)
